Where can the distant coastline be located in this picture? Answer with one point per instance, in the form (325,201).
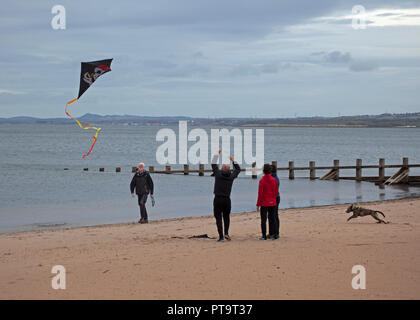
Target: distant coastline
(326,125)
(304,125)
(385,120)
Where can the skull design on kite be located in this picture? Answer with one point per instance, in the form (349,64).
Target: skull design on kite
(90,77)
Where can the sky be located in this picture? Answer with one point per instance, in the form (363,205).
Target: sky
(237,58)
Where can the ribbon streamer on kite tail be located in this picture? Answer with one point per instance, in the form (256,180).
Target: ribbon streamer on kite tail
(84,126)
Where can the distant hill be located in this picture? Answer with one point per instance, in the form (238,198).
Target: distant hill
(382,120)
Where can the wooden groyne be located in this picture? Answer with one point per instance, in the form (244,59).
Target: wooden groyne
(334,172)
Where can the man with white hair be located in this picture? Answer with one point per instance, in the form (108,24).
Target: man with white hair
(222,189)
(143,184)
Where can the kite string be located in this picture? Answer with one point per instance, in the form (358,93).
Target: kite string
(85,127)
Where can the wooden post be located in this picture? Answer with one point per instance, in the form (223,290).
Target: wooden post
(312,173)
(274,164)
(151,169)
(254,172)
(133,169)
(201,169)
(101,169)
(336,165)
(118,169)
(358,169)
(405,166)
(186,169)
(167,169)
(291,170)
(381,172)
(405,163)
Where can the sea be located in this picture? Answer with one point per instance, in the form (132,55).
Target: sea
(43,184)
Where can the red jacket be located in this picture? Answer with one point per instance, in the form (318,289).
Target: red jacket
(267,191)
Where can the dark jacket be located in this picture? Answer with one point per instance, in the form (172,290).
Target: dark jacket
(268,189)
(224,180)
(274,174)
(142,182)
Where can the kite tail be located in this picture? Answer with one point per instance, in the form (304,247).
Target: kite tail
(85,126)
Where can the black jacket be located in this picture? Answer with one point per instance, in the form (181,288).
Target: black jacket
(142,182)
(274,175)
(224,180)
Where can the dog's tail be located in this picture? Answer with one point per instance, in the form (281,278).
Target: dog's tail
(380,213)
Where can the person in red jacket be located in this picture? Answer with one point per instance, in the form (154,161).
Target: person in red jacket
(267,200)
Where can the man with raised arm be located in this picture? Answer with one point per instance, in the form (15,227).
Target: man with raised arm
(223,180)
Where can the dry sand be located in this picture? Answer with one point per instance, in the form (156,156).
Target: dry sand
(312,259)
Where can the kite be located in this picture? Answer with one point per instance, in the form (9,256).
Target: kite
(89,73)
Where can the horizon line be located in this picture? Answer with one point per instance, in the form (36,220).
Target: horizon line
(213,117)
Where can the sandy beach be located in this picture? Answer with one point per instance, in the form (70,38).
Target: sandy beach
(312,259)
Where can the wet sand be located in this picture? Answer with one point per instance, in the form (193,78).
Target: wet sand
(313,258)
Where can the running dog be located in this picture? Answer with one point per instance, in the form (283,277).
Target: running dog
(361,212)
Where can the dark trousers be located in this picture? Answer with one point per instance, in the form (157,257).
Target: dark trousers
(142,204)
(268,212)
(274,226)
(221,210)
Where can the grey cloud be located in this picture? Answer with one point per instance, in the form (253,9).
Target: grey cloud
(337,57)
(345,58)
(220,18)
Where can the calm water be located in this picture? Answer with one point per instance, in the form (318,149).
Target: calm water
(36,193)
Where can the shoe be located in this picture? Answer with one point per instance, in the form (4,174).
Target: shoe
(263,238)
(276,237)
(141,220)
(227,237)
(220,240)
(270,236)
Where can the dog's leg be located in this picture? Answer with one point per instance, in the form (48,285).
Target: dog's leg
(375,216)
(380,213)
(351,217)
